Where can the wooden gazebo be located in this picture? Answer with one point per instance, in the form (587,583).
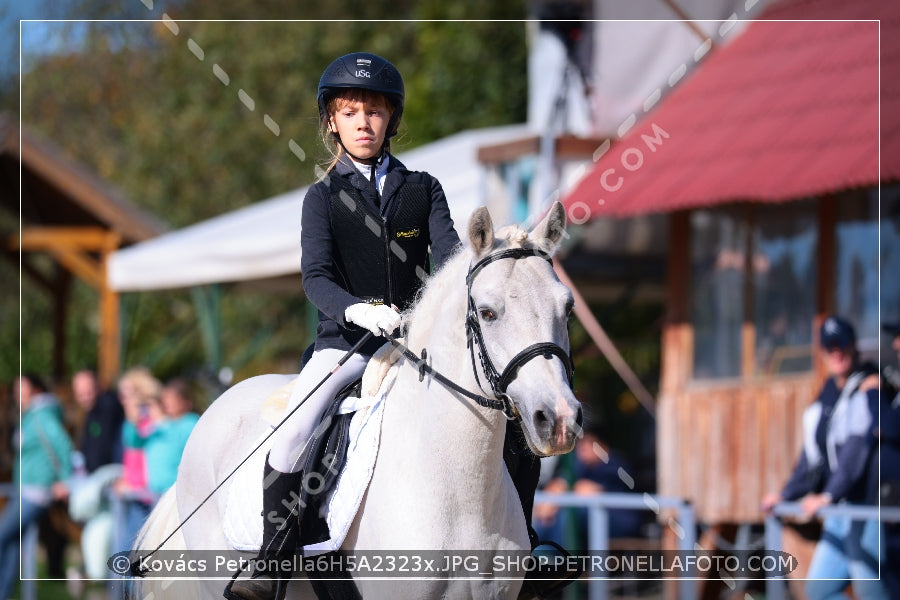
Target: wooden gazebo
(74,217)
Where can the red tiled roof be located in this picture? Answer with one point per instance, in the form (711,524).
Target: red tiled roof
(786,110)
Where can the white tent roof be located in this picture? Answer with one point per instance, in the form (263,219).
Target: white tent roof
(263,240)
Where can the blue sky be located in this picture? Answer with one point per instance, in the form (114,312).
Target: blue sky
(36,37)
(40,38)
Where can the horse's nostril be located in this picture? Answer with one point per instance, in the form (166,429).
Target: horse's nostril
(579,417)
(540,419)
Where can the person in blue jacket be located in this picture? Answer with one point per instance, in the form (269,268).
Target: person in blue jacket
(370,231)
(838,444)
(43,463)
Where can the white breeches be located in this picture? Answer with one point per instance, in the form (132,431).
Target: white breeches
(290,440)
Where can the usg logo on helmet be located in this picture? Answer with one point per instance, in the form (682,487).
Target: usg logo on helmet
(362,72)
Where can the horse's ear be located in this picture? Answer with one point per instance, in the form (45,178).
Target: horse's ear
(549,233)
(481,231)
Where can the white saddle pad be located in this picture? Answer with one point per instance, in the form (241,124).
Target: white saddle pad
(242,521)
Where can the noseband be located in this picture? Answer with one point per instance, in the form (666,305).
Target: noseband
(497,380)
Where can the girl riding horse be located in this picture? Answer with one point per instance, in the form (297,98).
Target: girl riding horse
(367,227)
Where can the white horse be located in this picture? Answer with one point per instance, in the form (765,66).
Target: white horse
(439,481)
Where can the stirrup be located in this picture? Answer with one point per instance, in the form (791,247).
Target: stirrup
(543,584)
(279,580)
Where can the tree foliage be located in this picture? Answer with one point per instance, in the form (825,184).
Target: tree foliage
(161,109)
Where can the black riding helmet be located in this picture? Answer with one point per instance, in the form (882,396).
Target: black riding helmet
(363,70)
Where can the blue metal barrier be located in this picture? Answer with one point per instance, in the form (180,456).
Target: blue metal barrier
(775,586)
(598,527)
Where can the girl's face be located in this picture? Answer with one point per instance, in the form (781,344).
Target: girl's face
(361,126)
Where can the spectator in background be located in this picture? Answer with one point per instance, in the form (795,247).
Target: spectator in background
(838,442)
(101,456)
(596,469)
(163,442)
(101,433)
(139,393)
(42,463)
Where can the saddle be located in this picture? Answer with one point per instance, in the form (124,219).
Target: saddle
(328,448)
(325,459)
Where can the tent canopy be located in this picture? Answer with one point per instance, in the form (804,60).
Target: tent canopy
(263,240)
(788,109)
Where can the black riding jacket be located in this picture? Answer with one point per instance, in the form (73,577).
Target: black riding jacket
(356,251)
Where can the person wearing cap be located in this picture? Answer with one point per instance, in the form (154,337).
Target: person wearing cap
(367,227)
(838,443)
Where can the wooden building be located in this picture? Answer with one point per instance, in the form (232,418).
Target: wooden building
(779,177)
(68,213)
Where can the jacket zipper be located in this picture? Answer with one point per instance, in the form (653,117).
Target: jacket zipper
(389,293)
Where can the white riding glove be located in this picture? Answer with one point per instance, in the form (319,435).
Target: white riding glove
(377,318)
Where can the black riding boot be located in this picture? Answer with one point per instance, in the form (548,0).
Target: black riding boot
(281,531)
(525,469)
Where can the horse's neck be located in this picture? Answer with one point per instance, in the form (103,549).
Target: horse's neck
(457,431)
(459,435)
(440,466)
(444,446)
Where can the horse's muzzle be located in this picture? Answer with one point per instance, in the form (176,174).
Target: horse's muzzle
(556,427)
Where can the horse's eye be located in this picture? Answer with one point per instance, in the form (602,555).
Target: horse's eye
(487,315)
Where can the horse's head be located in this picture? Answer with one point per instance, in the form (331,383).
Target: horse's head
(518,311)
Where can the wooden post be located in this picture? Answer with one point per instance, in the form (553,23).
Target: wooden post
(748,325)
(110,341)
(676,369)
(62,286)
(76,249)
(678,347)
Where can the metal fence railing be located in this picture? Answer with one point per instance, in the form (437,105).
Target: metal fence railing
(776,586)
(598,527)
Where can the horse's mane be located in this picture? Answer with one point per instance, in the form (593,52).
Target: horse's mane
(431,300)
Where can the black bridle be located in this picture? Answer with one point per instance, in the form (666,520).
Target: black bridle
(497,380)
